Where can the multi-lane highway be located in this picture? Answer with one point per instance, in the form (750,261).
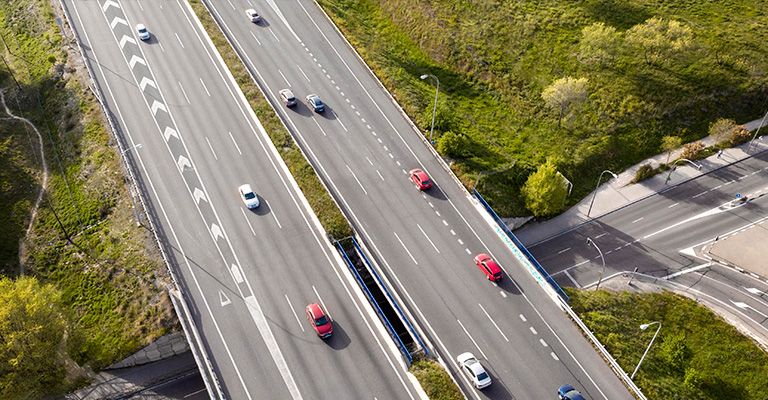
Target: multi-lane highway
(424,242)
(246,275)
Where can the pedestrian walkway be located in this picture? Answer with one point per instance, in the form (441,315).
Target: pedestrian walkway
(619,193)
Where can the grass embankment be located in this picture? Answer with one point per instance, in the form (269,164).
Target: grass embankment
(695,356)
(319,199)
(108,275)
(494,59)
(434,379)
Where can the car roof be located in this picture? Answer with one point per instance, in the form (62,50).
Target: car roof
(140,26)
(464,357)
(316,310)
(287,92)
(245,188)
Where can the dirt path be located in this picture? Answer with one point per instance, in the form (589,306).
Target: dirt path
(42,186)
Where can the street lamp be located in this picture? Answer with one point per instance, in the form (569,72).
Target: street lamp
(644,327)
(592,242)
(698,167)
(756,132)
(598,185)
(138,146)
(434,109)
(570,186)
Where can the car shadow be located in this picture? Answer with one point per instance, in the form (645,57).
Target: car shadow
(497,390)
(434,192)
(262,209)
(339,340)
(509,285)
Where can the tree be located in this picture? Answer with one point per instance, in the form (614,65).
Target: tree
(564,91)
(669,143)
(721,129)
(453,145)
(599,43)
(544,191)
(31,339)
(659,39)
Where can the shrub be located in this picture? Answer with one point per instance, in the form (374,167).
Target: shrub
(453,145)
(435,380)
(692,150)
(739,135)
(644,172)
(721,129)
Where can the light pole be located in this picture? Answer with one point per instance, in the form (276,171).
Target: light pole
(698,166)
(598,185)
(434,109)
(592,242)
(756,132)
(570,186)
(138,146)
(130,195)
(644,327)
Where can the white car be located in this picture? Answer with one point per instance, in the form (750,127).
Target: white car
(474,370)
(253,15)
(288,98)
(142,31)
(249,198)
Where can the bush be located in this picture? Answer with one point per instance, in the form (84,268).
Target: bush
(644,172)
(739,135)
(435,380)
(453,145)
(692,150)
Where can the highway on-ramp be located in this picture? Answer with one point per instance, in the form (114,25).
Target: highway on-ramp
(246,275)
(423,242)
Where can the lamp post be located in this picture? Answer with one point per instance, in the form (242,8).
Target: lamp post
(698,166)
(756,132)
(598,185)
(130,195)
(434,109)
(644,327)
(602,272)
(138,146)
(570,186)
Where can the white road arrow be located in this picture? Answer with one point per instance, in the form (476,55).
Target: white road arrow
(183,162)
(216,232)
(236,273)
(109,3)
(747,307)
(156,105)
(224,299)
(136,59)
(125,39)
(117,20)
(755,291)
(146,81)
(170,132)
(199,195)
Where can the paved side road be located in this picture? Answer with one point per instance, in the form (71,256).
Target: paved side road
(618,193)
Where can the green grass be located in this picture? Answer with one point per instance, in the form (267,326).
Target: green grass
(494,58)
(84,240)
(696,355)
(435,380)
(318,197)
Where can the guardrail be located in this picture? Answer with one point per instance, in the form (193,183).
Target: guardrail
(520,247)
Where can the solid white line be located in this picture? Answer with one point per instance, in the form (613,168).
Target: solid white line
(380,176)
(294,313)
(427,236)
(601,235)
(249,222)
(184,93)
(236,146)
(274,215)
(358,181)
(194,393)
(472,339)
(339,119)
(572,280)
(673,205)
(206,89)
(563,250)
(257,39)
(493,322)
(323,303)
(406,249)
(209,145)
(685,271)
(284,78)
(638,220)
(177,37)
(302,72)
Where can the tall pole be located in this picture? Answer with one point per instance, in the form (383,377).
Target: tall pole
(590,241)
(434,108)
(756,132)
(598,185)
(644,327)
(674,166)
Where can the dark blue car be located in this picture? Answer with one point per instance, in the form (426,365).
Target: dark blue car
(567,392)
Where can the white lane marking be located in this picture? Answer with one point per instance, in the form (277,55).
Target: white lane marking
(233,141)
(201,390)
(617,249)
(179,39)
(746,306)
(257,39)
(461,242)
(743,177)
(358,181)
(406,249)
(543,343)
(319,127)
(493,322)
(563,250)
(445,223)
(427,236)
(437,212)
(755,291)
(430,203)
(362,119)
(209,145)
(503,294)
(700,194)
(533,330)
(685,271)
(557,359)
(673,205)
(284,78)
(305,75)
(467,250)
(715,188)
(380,176)
(572,280)
(638,220)
(274,215)
(323,303)
(224,299)
(294,313)
(161,46)
(601,235)
(206,89)
(246,220)
(339,119)
(273,34)
(522,318)
(728,183)
(608,252)
(230,3)
(369,160)
(453,232)
(237,275)
(184,93)
(472,339)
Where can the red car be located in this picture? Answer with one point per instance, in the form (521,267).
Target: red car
(489,267)
(319,321)
(421,179)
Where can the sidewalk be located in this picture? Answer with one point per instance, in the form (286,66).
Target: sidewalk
(618,193)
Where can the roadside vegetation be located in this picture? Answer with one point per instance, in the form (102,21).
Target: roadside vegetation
(318,197)
(434,379)
(696,355)
(85,286)
(585,85)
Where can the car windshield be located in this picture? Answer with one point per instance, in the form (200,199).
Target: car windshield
(498,274)
(482,376)
(321,321)
(318,102)
(249,195)
(142,30)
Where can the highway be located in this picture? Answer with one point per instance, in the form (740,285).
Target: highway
(423,242)
(664,236)
(246,275)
